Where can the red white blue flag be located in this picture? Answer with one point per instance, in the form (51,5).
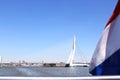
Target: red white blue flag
(106,58)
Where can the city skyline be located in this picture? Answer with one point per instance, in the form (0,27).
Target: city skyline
(43,30)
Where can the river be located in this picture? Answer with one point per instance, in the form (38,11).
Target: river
(45,71)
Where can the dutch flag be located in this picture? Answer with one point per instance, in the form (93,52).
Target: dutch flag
(106,58)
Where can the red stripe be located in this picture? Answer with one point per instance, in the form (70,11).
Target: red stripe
(115,13)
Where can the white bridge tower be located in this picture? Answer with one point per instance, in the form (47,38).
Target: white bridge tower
(71,57)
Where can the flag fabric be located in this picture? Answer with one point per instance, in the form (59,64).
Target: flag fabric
(106,57)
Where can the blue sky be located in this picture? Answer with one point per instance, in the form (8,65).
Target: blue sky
(43,30)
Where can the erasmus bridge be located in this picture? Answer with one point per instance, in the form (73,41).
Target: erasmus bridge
(71,57)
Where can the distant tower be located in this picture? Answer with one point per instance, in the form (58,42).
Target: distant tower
(0,60)
(70,59)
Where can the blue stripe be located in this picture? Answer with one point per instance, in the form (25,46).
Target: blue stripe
(110,66)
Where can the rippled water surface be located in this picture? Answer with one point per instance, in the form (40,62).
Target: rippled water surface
(45,71)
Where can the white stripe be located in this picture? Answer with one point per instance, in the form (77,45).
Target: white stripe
(113,43)
(99,53)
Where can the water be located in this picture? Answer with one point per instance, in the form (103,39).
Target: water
(45,71)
